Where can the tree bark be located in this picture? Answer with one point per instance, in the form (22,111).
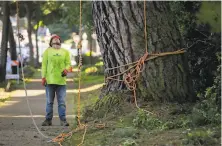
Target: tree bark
(120,32)
(37,46)
(29,30)
(12,48)
(4,43)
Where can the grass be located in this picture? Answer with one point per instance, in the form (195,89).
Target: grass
(28,73)
(133,127)
(4,96)
(88,80)
(89,97)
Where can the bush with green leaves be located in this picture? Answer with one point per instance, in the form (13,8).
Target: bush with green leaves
(178,122)
(89,59)
(29,71)
(129,142)
(147,121)
(201,137)
(199,23)
(207,111)
(94,70)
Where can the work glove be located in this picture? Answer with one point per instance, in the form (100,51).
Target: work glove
(43,81)
(64,73)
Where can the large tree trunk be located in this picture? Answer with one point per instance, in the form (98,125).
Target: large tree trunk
(29,18)
(120,31)
(12,48)
(4,43)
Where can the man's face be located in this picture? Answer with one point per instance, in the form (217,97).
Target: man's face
(56,43)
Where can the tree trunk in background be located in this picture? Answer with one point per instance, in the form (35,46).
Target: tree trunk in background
(12,48)
(4,43)
(120,32)
(37,46)
(29,29)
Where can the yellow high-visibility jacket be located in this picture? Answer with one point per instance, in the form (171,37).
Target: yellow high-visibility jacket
(53,63)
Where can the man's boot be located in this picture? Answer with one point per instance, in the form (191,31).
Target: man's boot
(64,123)
(47,123)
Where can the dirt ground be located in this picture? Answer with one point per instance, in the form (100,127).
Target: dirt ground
(16,125)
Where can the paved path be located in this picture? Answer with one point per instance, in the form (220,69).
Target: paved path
(16,126)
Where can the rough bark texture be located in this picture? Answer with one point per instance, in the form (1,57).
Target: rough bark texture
(12,48)
(37,46)
(3,52)
(120,32)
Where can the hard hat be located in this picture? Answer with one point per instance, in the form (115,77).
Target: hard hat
(52,37)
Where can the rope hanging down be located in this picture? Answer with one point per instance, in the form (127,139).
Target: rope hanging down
(131,75)
(61,137)
(129,79)
(20,38)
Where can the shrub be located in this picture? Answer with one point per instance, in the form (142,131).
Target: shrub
(145,120)
(200,137)
(207,111)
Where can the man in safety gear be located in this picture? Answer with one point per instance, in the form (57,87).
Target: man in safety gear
(55,66)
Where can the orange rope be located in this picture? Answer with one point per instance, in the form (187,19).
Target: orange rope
(134,71)
(60,138)
(130,79)
(149,57)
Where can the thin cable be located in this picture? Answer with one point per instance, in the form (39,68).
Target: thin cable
(79,68)
(23,78)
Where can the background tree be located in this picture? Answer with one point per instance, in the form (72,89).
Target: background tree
(120,29)
(4,43)
(200,27)
(29,10)
(12,47)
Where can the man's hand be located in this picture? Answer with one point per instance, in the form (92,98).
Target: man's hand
(43,81)
(64,73)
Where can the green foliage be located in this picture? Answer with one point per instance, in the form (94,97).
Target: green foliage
(60,29)
(99,63)
(88,53)
(29,71)
(210,12)
(129,142)
(204,113)
(90,79)
(69,41)
(4,96)
(50,6)
(40,23)
(124,132)
(91,70)
(178,122)
(200,137)
(197,24)
(147,121)
(71,14)
(207,111)
(87,60)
